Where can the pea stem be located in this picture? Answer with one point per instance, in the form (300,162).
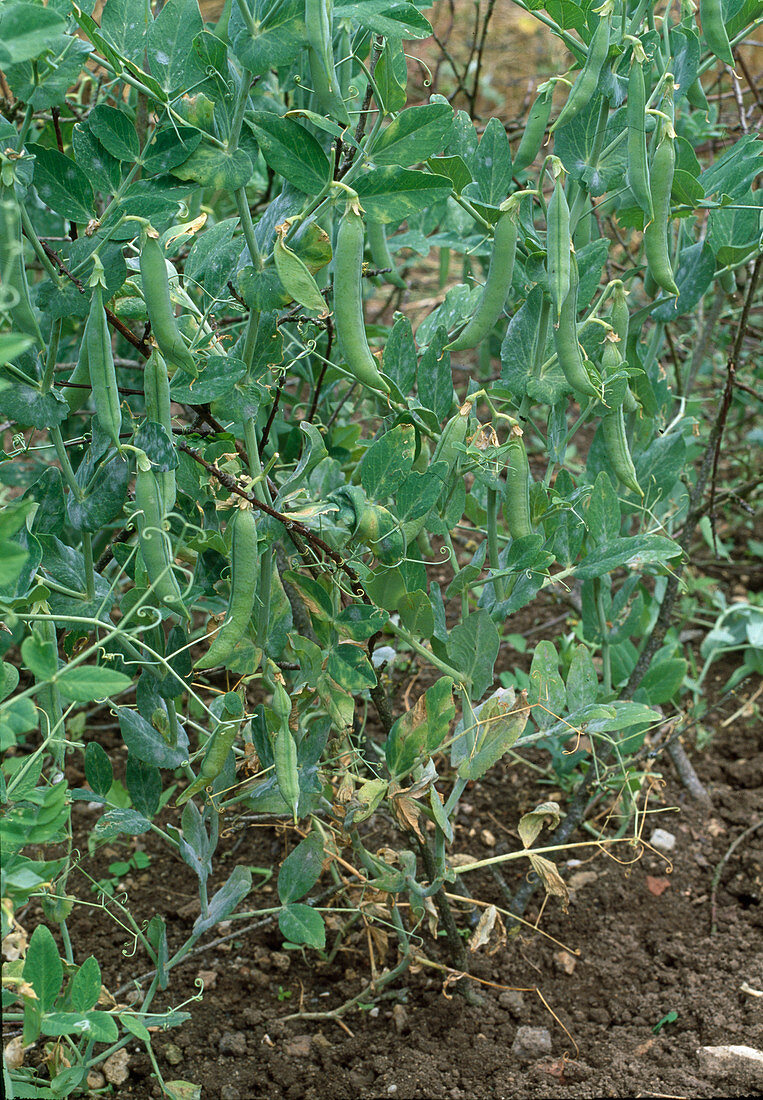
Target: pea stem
(427,654)
(492,541)
(87,553)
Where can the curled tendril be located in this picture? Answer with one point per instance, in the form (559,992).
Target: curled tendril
(353,91)
(430,75)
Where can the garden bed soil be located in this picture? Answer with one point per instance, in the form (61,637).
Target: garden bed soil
(635,946)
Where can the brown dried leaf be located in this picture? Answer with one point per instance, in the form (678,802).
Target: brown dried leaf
(553,883)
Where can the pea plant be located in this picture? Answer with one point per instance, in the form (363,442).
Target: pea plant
(262,442)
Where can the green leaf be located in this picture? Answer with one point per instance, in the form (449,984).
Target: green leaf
(147,743)
(491,163)
(115,132)
(399,359)
(219,169)
(472,649)
(27,31)
(85,987)
(388,461)
(26,406)
(61,184)
(635,550)
(279,34)
(414,135)
(360,621)
(390,194)
(663,680)
(292,152)
(12,560)
(422,729)
(42,966)
(104,484)
(578,145)
(546,696)
(435,379)
(98,770)
(115,822)
(173,61)
(40,657)
(144,785)
(169,148)
(385,17)
(99,1027)
(602,517)
(582,683)
(222,904)
(349,666)
(89,682)
(212,259)
(218,378)
(500,724)
(301,869)
(521,335)
(391,76)
(303,925)
(416,613)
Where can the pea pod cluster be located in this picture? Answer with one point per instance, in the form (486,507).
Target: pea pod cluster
(154,541)
(656,234)
(156,292)
(243,590)
(103,375)
(583,89)
(531,142)
(638,165)
(517,493)
(218,749)
(284,745)
(714,30)
(568,350)
(497,284)
(156,392)
(558,246)
(348,301)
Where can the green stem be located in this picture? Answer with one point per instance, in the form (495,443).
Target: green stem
(51,357)
(87,553)
(606,653)
(492,541)
(63,458)
(247,226)
(36,244)
(427,654)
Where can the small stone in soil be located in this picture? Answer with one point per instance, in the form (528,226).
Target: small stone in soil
(230,1092)
(115,1067)
(173,1054)
(663,840)
(400,1018)
(232,1042)
(487,838)
(740,1063)
(298,1047)
(280,960)
(95,1080)
(512,1001)
(209,977)
(531,1043)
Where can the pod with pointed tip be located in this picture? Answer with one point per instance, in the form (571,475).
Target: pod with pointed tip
(497,284)
(243,590)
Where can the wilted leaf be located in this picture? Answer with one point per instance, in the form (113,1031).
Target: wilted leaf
(530,824)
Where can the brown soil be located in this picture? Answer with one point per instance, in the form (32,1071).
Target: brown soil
(638,946)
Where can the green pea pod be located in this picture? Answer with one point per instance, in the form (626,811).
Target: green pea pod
(531,141)
(656,243)
(497,284)
(220,745)
(638,166)
(12,270)
(103,375)
(583,89)
(620,320)
(714,30)
(568,350)
(558,246)
(48,698)
(517,494)
(154,541)
(320,52)
(348,302)
(156,292)
(381,255)
(295,275)
(617,450)
(287,772)
(243,590)
(695,94)
(156,392)
(77,390)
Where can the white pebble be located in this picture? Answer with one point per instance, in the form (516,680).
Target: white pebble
(662,840)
